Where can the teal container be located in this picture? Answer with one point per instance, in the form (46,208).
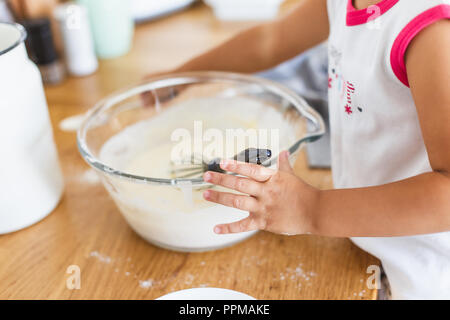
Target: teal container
(112,26)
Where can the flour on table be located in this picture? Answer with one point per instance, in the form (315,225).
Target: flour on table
(145,284)
(73,123)
(89,177)
(100,257)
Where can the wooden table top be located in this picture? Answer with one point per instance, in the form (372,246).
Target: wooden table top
(87,230)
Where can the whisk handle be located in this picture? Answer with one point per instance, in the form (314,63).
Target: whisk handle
(214,165)
(250,155)
(254,155)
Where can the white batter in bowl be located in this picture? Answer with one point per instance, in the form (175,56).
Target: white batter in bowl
(134,148)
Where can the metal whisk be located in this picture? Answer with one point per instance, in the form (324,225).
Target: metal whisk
(199,165)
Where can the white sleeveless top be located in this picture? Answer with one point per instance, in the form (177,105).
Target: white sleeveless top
(375,132)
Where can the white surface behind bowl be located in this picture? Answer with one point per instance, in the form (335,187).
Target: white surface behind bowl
(144,10)
(245,9)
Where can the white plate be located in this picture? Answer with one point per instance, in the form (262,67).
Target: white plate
(206,294)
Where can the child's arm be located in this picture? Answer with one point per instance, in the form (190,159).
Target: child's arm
(283,203)
(420,204)
(269,44)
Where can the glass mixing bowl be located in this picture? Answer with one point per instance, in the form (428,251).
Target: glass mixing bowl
(122,136)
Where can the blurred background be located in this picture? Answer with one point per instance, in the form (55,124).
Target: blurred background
(85,50)
(135,38)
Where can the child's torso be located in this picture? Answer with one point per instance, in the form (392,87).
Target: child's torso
(375,131)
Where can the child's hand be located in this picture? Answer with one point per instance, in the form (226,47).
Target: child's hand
(277,200)
(159,96)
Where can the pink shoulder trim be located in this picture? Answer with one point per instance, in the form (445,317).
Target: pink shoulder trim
(408,33)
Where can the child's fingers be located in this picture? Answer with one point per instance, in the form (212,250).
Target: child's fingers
(243,185)
(254,171)
(283,162)
(247,224)
(237,201)
(153,98)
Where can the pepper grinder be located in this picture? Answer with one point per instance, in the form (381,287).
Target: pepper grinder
(41,49)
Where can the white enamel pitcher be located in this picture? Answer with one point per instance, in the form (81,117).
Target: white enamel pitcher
(31,181)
